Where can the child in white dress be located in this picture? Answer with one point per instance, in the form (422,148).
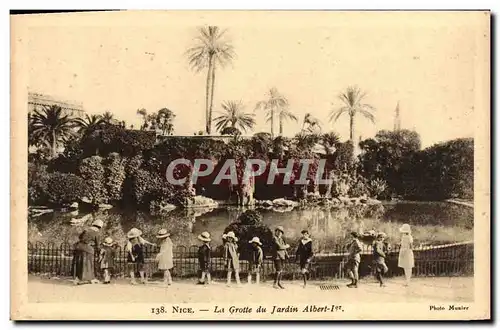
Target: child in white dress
(165,258)
(406,259)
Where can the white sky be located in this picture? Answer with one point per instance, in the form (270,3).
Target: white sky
(427,64)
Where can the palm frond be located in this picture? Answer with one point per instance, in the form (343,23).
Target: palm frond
(367,114)
(335,114)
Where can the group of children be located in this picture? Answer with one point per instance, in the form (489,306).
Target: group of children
(304,256)
(135,255)
(381,248)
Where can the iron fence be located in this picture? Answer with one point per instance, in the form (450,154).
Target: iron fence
(445,260)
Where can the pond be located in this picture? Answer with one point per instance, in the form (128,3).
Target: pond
(432,223)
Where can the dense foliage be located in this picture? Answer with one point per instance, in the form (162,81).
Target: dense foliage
(442,171)
(128,167)
(65,188)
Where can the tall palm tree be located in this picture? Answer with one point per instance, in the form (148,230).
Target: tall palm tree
(233,115)
(353,103)
(89,124)
(273,105)
(284,114)
(50,126)
(210,51)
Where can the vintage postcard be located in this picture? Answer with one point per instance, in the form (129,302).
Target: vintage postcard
(250,165)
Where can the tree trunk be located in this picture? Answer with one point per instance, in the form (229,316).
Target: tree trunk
(352,135)
(351,128)
(272,123)
(207,97)
(54,144)
(211,97)
(281,126)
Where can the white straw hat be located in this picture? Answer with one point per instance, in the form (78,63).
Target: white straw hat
(108,241)
(405,228)
(231,235)
(133,233)
(162,233)
(98,223)
(255,240)
(205,236)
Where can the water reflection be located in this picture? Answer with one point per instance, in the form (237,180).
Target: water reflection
(327,226)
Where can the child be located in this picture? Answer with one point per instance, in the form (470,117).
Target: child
(107,258)
(353,260)
(406,259)
(166,256)
(135,257)
(280,255)
(304,254)
(232,257)
(204,257)
(256,259)
(379,255)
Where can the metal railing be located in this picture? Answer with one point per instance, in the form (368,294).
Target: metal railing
(445,260)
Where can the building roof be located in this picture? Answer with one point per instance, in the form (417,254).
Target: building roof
(38,99)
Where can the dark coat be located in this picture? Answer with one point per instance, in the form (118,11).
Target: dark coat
(204,252)
(304,251)
(256,256)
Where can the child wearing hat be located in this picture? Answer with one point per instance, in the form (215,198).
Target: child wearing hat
(135,254)
(353,260)
(304,254)
(256,259)
(204,252)
(166,256)
(379,255)
(406,259)
(280,255)
(232,257)
(107,258)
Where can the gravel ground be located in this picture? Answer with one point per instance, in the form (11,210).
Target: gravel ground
(428,290)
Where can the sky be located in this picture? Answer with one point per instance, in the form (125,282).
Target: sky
(121,62)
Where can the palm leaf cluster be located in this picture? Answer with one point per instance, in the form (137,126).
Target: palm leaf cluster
(233,115)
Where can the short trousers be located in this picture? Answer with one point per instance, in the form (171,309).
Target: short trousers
(352,264)
(135,266)
(381,267)
(304,264)
(278,265)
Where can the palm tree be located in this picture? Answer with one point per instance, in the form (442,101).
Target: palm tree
(89,124)
(283,115)
(234,116)
(313,124)
(50,126)
(274,104)
(210,50)
(164,121)
(353,99)
(107,117)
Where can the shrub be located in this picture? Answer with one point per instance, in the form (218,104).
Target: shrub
(114,176)
(150,186)
(92,171)
(65,188)
(38,179)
